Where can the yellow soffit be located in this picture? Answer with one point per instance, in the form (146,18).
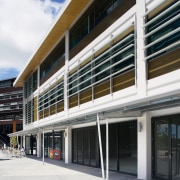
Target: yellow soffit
(72,11)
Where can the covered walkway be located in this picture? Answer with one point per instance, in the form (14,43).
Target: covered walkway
(32,168)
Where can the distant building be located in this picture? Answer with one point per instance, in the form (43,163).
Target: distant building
(11,109)
(103,88)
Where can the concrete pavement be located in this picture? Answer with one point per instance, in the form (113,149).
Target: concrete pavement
(13,168)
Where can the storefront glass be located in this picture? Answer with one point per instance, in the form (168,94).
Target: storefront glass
(31,145)
(128,147)
(122,146)
(166,147)
(54,145)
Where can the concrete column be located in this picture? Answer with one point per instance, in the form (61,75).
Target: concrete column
(144,147)
(66,101)
(141,78)
(24,141)
(39,144)
(68,145)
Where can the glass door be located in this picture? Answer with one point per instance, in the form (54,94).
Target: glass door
(175,142)
(166,147)
(161,149)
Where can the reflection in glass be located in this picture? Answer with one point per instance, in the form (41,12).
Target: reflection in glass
(161,146)
(93,147)
(175,127)
(53,142)
(167,147)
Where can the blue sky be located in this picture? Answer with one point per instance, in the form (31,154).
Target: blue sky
(23,25)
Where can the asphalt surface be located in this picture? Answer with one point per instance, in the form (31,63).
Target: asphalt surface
(32,168)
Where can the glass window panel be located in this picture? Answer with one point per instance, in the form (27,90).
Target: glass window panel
(51,61)
(124,64)
(35,80)
(85,76)
(85,27)
(91,21)
(86,146)
(57,140)
(87,23)
(128,147)
(160,33)
(73,82)
(100,66)
(75,36)
(175,129)
(80,146)
(113,144)
(167,41)
(102,75)
(74,149)
(93,147)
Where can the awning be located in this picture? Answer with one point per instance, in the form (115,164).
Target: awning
(130,111)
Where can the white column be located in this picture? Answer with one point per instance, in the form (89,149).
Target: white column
(24,141)
(68,147)
(144,147)
(107,149)
(100,147)
(66,102)
(140,63)
(39,144)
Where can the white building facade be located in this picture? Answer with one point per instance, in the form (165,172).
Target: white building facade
(103,88)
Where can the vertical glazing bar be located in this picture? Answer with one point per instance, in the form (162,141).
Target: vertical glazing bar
(100,147)
(107,149)
(43,147)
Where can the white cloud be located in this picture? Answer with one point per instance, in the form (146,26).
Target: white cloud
(23,24)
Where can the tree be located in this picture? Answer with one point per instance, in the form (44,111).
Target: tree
(13,141)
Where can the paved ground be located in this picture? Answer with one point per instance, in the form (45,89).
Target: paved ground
(28,168)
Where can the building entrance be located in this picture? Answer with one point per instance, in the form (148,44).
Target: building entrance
(166,147)
(54,145)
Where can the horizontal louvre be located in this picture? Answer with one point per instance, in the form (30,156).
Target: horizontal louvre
(91,80)
(163,31)
(49,100)
(163,40)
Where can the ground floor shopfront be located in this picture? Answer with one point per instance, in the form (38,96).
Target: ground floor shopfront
(147,146)
(122,146)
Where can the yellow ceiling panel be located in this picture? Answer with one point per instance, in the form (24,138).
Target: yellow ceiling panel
(65,20)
